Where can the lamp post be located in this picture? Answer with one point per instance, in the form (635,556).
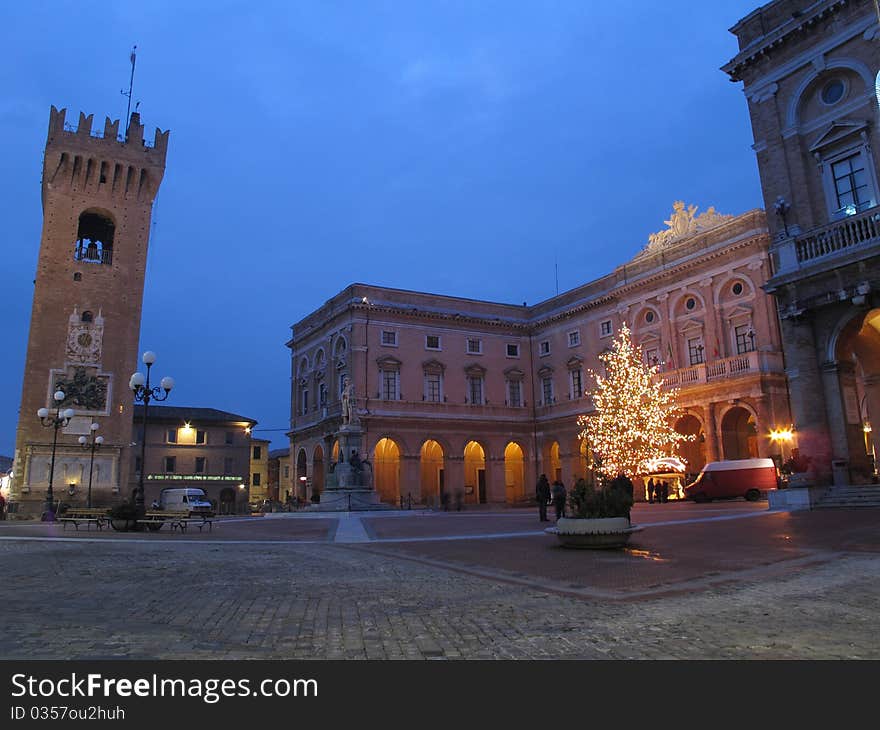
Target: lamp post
(782,436)
(144,393)
(92,444)
(56,421)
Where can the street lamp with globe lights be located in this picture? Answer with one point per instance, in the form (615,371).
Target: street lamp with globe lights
(55,421)
(144,393)
(92,444)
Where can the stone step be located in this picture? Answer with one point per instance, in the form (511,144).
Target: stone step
(851,496)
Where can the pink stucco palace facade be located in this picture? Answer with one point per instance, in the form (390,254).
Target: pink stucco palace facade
(461,394)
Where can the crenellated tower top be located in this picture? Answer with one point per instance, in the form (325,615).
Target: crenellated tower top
(107,163)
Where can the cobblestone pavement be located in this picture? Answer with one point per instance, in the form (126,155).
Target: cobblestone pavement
(800,592)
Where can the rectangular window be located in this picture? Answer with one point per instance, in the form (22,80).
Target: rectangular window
(475,390)
(547,390)
(258,453)
(652,357)
(512,350)
(574,338)
(228,465)
(851,184)
(577,384)
(695,350)
(432,387)
(389,337)
(201,437)
(255,479)
(390,380)
(745,339)
(432,342)
(230,438)
(171,436)
(169,464)
(544,348)
(514,393)
(200,465)
(474,346)
(605,328)
(304,402)
(287,472)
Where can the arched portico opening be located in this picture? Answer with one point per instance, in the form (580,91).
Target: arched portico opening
(431,471)
(318,471)
(857,355)
(474,473)
(301,486)
(739,434)
(514,473)
(693,451)
(386,470)
(552,462)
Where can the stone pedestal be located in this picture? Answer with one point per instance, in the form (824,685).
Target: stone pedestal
(349,487)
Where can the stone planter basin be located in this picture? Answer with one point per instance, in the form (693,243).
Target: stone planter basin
(605,533)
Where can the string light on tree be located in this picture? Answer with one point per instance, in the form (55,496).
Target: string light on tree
(633,420)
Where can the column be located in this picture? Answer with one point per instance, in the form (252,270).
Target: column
(496,492)
(762,426)
(712,450)
(410,477)
(807,390)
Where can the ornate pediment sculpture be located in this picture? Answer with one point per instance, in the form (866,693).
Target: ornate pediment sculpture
(683,223)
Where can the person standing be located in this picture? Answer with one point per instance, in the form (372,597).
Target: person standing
(558,492)
(542,494)
(651,490)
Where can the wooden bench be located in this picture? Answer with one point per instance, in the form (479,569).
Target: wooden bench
(154,519)
(86,515)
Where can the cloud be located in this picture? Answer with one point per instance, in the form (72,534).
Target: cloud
(479,72)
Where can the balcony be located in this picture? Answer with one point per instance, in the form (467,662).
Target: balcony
(854,233)
(748,363)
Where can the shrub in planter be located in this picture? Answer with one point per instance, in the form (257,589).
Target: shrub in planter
(587,502)
(123,516)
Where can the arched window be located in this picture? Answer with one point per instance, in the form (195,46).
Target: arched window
(94,238)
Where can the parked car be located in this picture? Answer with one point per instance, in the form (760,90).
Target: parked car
(748,478)
(190,499)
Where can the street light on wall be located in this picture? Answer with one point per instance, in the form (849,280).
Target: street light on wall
(59,420)
(781,206)
(92,443)
(144,393)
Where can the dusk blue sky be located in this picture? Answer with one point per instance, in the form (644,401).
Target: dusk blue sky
(451,147)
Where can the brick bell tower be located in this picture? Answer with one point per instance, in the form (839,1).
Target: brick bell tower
(97,191)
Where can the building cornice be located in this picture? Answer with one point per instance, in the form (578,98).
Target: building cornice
(762,46)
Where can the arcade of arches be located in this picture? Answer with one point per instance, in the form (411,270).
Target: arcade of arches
(492,470)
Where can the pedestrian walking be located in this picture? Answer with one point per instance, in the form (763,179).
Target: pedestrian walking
(542,494)
(651,491)
(558,493)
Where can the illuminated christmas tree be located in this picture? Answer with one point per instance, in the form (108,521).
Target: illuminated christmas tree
(633,419)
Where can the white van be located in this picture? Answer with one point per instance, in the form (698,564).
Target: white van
(187,499)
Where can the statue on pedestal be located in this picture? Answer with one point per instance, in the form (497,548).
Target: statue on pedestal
(347,401)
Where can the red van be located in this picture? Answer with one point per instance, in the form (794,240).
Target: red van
(749,478)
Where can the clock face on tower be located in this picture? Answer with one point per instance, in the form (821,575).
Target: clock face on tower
(84,343)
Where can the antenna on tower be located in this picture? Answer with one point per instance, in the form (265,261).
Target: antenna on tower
(133,58)
(556,266)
